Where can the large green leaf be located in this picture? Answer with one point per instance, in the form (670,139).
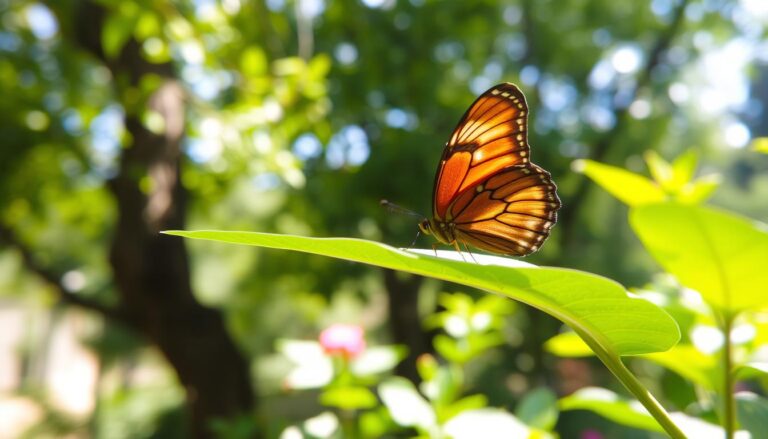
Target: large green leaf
(691,364)
(538,409)
(406,405)
(719,254)
(627,412)
(568,344)
(611,406)
(599,309)
(683,359)
(632,189)
(753,413)
(760,144)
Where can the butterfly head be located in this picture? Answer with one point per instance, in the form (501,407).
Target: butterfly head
(425,227)
(443,232)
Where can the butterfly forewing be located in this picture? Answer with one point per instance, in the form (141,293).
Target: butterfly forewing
(486,188)
(489,137)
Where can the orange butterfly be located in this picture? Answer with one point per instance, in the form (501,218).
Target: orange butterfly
(487,192)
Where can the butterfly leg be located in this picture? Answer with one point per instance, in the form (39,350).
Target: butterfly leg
(458,249)
(470,253)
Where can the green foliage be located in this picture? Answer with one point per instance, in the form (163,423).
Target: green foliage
(440,406)
(261,79)
(119,27)
(445,408)
(473,326)
(587,303)
(673,181)
(406,406)
(713,252)
(348,397)
(538,409)
(752,412)
(760,144)
(611,406)
(630,188)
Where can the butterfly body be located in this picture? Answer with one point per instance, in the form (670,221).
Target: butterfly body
(487,193)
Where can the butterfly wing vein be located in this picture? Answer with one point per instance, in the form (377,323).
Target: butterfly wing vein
(486,187)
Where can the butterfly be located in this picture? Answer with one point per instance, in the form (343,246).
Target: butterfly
(487,193)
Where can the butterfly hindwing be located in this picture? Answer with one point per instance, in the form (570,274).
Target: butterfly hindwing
(511,214)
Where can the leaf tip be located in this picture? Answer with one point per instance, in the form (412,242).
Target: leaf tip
(579,166)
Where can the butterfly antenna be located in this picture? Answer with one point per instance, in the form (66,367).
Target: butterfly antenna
(413,244)
(392,207)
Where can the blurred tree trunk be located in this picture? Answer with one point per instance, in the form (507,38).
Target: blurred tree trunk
(151,271)
(405,322)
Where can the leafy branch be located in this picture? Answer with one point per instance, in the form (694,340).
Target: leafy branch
(575,201)
(53,279)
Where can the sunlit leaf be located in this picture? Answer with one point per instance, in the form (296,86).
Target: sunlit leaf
(377,359)
(471,402)
(683,169)
(427,367)
(691,364)
(752,412)
(322,425)
(719,254)
(610,406)
(253,62)
(538,409)
(568,344)
(446,386)
(289,66)
(118,28)
(630,188)
(630,413)
(375,423)
(495,305)
(448,348)
(753,370)
(596,307)
(300,351)
(148,25)
(319,66)
(698,428)
(348,397)
(660,170)
(406,406)
(760,144)
(486,423)
(699,190)
(156,50)
(683,359)
(313,368)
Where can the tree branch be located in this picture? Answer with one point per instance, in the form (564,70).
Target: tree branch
(570,211)
(8,237)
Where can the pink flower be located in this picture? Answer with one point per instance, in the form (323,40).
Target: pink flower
(341,339)
(591,434)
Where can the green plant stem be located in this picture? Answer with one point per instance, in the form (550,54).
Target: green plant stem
(349,424)
(729,402)
(620,371)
